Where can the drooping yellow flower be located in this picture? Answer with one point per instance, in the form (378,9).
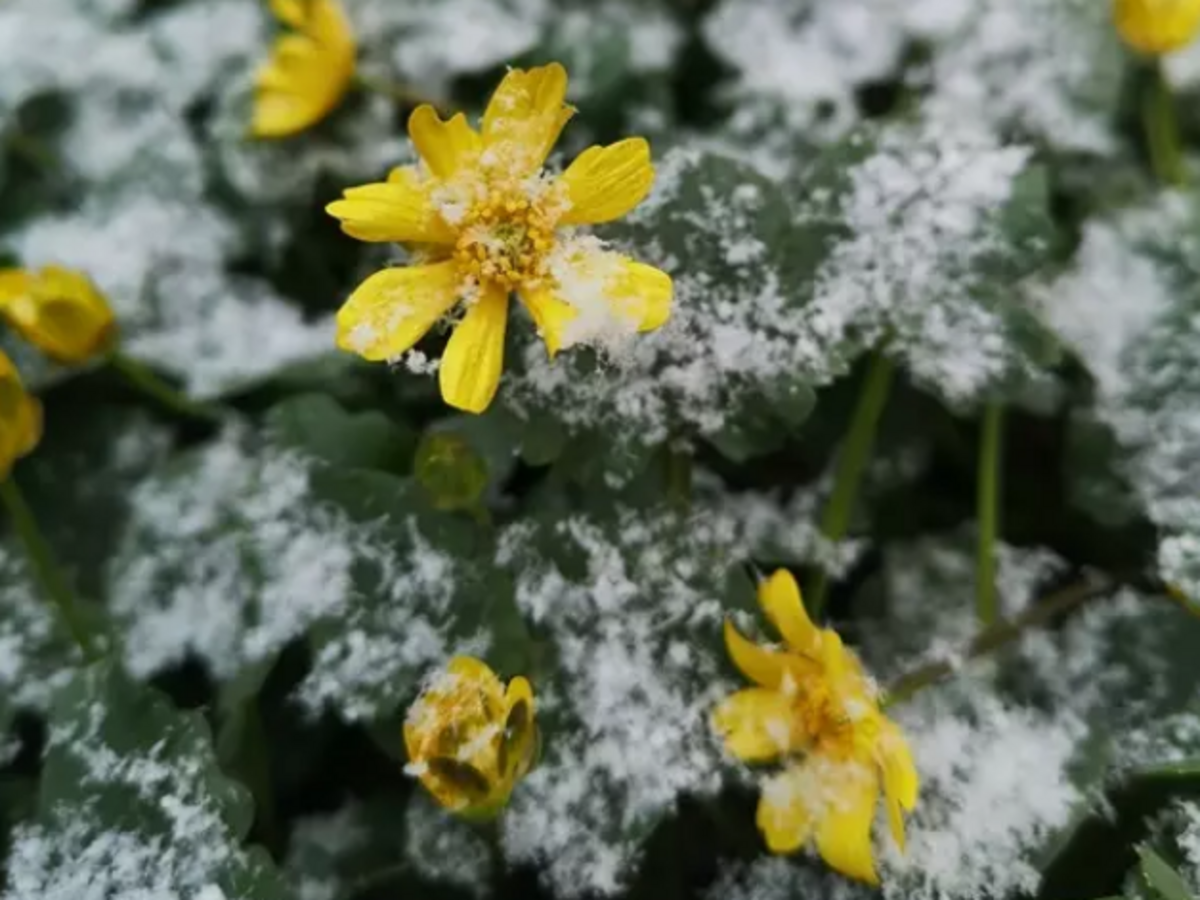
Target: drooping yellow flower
(816,710)
(1155,27)
(20,417)
(469,739)
(309,70)
(488,221)
(57,310)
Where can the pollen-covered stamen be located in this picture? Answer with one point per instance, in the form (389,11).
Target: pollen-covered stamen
(506,238)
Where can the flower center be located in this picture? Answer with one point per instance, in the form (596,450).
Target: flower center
(506,239)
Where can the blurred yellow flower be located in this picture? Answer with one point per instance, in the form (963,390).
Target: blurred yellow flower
(817,711)
(309,71)
(20,417)
(1155,27)
(57,310)
(469,739)
(486,221)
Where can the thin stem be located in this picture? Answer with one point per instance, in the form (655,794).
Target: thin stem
(678,464)
(390,89)
(988,511)
(146,381)
(851,463)
(1161,124)
(995,637)
(49,576)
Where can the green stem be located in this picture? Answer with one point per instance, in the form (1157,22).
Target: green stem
(679,477)
(851,463)
(49,576)
(993,638)
(1162,127)
(146,381)
(988,511)
(390,89)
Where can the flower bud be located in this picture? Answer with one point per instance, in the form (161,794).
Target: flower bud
(469,739)
(57,310)
(20,417)
(1155,27)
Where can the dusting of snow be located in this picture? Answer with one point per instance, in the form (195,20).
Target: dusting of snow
(444,849)
(317,845)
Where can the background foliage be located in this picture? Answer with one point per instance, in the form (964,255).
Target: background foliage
(957,185)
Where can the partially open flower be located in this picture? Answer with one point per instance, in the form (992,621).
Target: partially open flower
(816,710)
(469,739)
(20,417)
(1155,27)
(309,70)
(57,310)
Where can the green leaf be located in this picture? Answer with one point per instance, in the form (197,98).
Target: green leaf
(132,801)
(1160,877)
(316,424)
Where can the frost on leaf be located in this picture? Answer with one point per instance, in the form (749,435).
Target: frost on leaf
(241,546)
(133,805)
(37,653)
(633,607)
(1046,69)
(1128,309)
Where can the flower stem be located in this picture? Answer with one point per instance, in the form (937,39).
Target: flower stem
(1162,127)
(146,381)
(390,89)
(988,512)
(678,463)
(49,576)
(851,463)
(995,637)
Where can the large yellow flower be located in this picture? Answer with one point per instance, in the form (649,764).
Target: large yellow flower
(309,71)
(815,709)
(20,417)
(486,221)
(469,739)
(57,310)
(1155,27)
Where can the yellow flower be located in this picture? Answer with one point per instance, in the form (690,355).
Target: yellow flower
(308,72)
(1155,27)
(469,739)
(817,711)
(487,221)
(20,417)
(57,310)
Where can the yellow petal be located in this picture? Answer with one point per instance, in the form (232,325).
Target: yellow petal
(524,119)
(611,294)
(779,597)
(20,417)
(550,314)
(520,730)
(14,284)
(61,313)
(474,357)
(900,780)
(756,724)
(308,72)
(445,147)
(784,816)
(479,675)
(844,823)
(642,294)
(762,666)
(1155,27)
(397,210)
(395,308)
(605,183)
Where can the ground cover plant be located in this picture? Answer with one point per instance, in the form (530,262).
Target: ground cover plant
(717,449)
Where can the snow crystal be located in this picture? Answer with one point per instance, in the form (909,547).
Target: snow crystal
(444,849)
(994,789)
(1189,841)
(36,654)
(783,878)
(1048,68)
(630,630)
